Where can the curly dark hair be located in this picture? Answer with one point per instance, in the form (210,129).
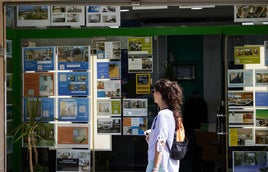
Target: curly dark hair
(172,94)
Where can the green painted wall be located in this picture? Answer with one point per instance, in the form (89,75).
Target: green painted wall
(188,50)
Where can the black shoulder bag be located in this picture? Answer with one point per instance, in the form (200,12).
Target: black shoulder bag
(178,149)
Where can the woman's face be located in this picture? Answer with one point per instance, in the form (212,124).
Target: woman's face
(157,96)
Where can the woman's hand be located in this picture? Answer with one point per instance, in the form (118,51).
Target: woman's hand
(147,133)
(147,138)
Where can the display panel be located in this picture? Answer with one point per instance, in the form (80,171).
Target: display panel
(33,15)
(246,55)
(239,117)
(250,13)
(237,99)
(109,126)
(103,16)
(38,58)
(143,84)
(109,70)
(261,98)
(43,85)
(109,50)
(261,118)
(73,57)
(109,89)
(140,54)
(240,78)
(109,107)
(134,125)
(45,108)
(74,109)
(249,161)
(73,136)
(135,107)
(239,136)
(261,77)
(73,84)
(77,160)
(261,137)
(67,15)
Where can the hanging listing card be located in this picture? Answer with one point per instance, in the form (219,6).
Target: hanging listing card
(250,13)
(33,15)
(143,84)
(73,109)
(238,99)
(240,78)
(135,107)
(261,77)
(103,16)
(109,126)
(241,118)
(247,161)
(38,58)
(77,160)
(109,107)
(43,84)
(67,15)
(73,83)
(109,88)
(109,70)
(44,105)
(241,137)
(261,118)
(109,50)
(140,54)
(73,135)
(73,57)
(260,137)
(134,126)
(246,55)
(261,98)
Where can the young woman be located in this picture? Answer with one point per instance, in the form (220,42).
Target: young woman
(169,97)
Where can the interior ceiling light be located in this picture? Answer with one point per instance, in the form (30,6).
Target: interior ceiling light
(114,27)
(247,23)
(149,7)
(135,3)
(124,10)
(196,7)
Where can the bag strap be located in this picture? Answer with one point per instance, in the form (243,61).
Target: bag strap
(154,122)
(175,136)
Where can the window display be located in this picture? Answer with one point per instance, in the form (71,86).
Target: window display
(247,103)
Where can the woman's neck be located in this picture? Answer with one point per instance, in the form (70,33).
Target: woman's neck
(163,106)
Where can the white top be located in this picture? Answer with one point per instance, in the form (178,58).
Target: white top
(163,128)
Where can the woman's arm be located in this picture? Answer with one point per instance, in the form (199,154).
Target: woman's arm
(158,154)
